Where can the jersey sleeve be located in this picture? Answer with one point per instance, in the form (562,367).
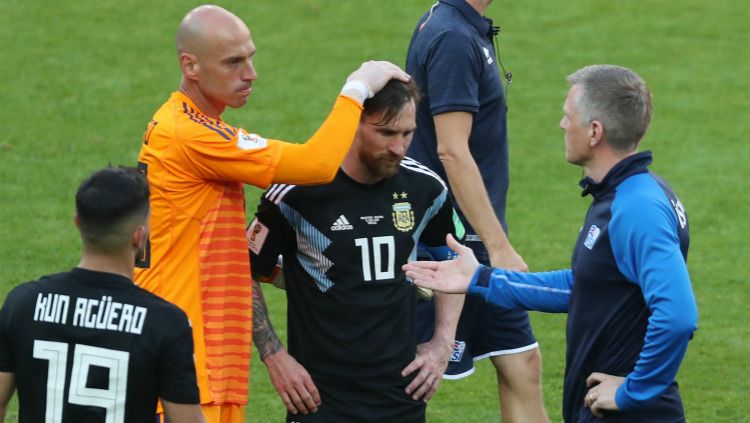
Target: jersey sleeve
(177,381)
(215,151)
(317,160)
(453,73)
(646,247)
(229,154)
(266,237)
(540,291)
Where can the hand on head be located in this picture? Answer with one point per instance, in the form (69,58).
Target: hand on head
(376,73)
(451,276)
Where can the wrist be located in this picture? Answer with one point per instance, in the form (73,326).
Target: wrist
(271,355)
(357,90)
(443,341)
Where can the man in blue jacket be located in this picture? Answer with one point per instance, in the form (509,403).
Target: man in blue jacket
(630,304)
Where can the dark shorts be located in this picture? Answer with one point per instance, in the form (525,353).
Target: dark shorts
(483,330)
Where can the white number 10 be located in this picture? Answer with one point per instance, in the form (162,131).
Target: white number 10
(84,356)
(377,243)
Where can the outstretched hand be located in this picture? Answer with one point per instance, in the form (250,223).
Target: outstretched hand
(451,276)
(376,73)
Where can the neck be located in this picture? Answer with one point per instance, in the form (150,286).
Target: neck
(353,168)
(479,5)
(600,165)
(99,262)
(199,99)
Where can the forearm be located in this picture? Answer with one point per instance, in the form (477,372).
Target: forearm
(183,413)
(447,312)
(467,188)
(7,388)
(540,291)
(673,320)
(264,337)
(318,160)
(453,130)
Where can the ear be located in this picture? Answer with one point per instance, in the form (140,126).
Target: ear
(77,221)
(596,133)
(189,66)
(139,236)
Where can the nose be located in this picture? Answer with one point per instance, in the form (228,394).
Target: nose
(249,74)
(398,146)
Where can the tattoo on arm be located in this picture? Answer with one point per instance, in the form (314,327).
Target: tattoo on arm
(264,337)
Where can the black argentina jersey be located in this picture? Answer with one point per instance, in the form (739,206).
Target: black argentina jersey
(350,307)
(88,346)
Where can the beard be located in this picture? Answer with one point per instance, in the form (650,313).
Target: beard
(383,166)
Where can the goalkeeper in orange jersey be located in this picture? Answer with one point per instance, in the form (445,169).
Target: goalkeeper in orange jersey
(196,164)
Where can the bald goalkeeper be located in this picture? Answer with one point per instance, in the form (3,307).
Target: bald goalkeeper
(196,164)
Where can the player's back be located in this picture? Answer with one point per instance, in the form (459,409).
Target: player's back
(88,346)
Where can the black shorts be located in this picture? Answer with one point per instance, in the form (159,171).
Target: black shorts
(484,330)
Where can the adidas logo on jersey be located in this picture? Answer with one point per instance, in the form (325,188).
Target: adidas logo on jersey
(341,224)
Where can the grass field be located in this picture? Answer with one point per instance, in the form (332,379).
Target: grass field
(80,79)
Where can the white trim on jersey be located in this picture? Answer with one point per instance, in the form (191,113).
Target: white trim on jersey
(415,166)
(273,190)
(277,192)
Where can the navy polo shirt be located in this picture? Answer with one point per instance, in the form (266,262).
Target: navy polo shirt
(452,60)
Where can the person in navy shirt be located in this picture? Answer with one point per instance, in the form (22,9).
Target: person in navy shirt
(462,136)
(630,304)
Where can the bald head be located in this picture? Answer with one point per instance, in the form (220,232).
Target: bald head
(206,25)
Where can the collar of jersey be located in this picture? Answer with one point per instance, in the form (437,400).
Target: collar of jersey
(637,163)
(99,277)
(478,21)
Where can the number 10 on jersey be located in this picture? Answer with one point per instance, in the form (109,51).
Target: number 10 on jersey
(373,261)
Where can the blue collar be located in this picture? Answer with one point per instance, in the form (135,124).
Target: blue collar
(482,24)
(637,163)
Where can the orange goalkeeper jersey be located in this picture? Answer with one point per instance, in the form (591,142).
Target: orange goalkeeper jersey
(197,253)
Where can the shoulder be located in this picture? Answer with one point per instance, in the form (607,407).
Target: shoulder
(30,289)
(20,294)
(446,31)
(25,294)
(157,305)
(640,191)
(420,173)
(642,203)
(179,119)
(277,193)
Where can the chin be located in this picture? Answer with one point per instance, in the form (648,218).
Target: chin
(239,103)
(388,172)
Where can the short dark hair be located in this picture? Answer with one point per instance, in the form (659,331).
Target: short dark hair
(391,99)
(110,204)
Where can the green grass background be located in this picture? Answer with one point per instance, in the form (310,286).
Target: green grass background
(80,79)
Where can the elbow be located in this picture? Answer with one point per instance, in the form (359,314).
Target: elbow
(450,153)
(684,323)
(687,320)
(316,173)
(688,323)
(327,173)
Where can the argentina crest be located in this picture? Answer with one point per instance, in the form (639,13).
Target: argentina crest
(403,216)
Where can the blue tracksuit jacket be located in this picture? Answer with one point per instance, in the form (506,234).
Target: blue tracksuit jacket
(631,308)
